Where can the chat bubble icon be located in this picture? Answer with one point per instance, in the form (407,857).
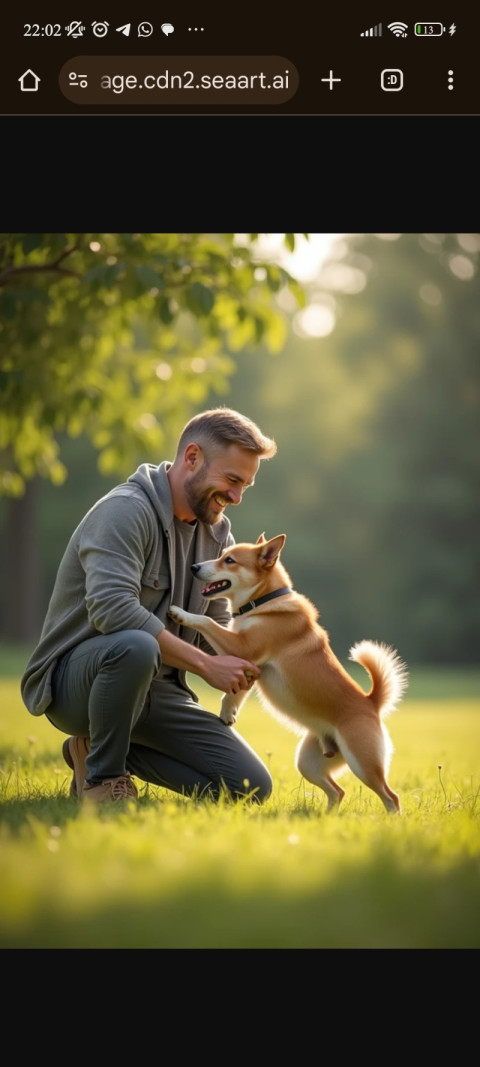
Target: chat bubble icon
(145,29)
(167,28)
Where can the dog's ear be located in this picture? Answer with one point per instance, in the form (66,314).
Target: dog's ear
(261,539)
(271,550)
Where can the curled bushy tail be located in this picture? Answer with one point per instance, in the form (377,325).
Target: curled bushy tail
(389,673)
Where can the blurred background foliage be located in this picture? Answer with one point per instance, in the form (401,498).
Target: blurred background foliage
(365,370)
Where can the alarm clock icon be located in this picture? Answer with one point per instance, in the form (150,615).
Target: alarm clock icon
(100,29)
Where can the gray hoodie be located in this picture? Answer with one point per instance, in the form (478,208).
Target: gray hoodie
(117,574)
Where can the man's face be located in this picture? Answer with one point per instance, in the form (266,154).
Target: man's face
(220,482)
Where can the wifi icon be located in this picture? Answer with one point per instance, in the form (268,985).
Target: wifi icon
(398,28)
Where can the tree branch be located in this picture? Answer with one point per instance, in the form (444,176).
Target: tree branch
(6,274)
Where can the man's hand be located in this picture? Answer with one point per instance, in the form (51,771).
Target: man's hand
(230,674)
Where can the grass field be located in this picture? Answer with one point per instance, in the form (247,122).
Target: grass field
(173,873)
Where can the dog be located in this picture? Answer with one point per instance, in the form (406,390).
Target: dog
(302,682)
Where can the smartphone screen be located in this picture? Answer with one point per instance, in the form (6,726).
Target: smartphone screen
(254,59)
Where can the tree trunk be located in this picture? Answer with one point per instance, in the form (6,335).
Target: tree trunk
(21,572)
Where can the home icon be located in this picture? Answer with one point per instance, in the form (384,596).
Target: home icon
(29,81)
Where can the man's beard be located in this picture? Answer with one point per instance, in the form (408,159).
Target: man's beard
(201,502)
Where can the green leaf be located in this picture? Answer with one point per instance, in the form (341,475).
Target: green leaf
(273,278)
(166,314)
(290,241)
(111,273)
(149,278)
(259,328)
(7,306)
(95,275)
(103,274)
(31,241)
(199,299)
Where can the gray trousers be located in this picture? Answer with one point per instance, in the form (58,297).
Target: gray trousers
(105,689)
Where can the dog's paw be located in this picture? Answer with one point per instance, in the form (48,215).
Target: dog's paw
(177,614)
(228,717)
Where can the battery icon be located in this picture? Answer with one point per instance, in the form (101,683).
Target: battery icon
(429,29)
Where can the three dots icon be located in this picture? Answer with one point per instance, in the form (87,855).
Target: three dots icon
(450,79)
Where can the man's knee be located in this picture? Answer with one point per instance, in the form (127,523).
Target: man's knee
(257,788)
(263,788)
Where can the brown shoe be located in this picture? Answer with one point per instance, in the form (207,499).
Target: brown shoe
(112,789)
(75,751)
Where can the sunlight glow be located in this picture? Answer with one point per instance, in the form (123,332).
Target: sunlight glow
(343,278)
(316,320)
(430,294)
(470,242)
(147,421)
(163,371)
(462,267)
(307,257)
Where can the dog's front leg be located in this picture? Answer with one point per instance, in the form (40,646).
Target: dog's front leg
(221,639)
(185,618)
(231,705)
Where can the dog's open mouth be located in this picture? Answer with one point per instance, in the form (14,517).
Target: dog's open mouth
(216,587)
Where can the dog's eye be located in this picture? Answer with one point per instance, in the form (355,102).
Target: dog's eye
(229,559)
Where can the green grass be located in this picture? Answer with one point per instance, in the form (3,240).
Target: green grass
(173,873)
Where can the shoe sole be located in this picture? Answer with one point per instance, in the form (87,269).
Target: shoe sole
(99,801)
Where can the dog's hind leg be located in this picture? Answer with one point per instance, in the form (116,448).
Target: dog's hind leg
(367,750)
(315,766)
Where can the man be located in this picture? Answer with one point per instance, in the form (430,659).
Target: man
(110,666)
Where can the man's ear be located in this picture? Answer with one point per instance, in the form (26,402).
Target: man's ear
(193,455)
(271,551)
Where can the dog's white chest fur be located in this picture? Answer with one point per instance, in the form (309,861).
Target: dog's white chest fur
(278,699)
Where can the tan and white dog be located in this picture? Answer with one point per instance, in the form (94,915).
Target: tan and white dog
(302,682)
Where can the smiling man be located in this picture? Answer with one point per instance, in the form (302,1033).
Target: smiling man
(110,666)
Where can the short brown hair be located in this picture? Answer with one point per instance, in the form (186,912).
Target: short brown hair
(224,426)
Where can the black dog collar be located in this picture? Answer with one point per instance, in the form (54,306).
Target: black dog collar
(261,600)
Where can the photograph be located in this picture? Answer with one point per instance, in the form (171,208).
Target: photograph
(239,612)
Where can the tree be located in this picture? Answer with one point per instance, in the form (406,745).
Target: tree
(117,336)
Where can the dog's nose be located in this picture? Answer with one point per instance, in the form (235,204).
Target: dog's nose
(195,567)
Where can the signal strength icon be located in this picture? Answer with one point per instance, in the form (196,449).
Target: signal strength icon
(398,28)
(374,31)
